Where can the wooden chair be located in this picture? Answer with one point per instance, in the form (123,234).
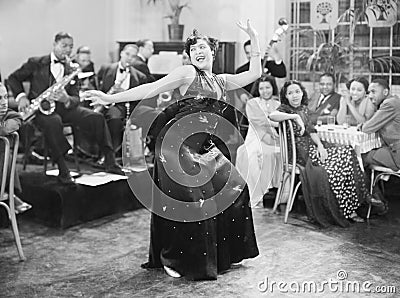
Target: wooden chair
(10,207)
(382,171)
(289,167)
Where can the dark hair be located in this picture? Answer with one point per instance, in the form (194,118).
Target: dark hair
(142,42)
(330,75)
(83,50)
(62,35)
(265,78)
(361,80)
(284,100)
(192,40)
(246,43)
(381,82)
(130,45)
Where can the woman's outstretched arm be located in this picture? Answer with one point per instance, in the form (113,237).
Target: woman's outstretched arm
(255,71)
(181,76)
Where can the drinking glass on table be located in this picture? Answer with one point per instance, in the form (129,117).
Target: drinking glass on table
(330,120)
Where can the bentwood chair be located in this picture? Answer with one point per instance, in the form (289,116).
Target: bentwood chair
(381,173)
(289,167)
(10,207)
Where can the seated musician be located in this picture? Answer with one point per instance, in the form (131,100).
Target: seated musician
(325,102)
(114,78)
(87,79)
(10,121)
(49,70)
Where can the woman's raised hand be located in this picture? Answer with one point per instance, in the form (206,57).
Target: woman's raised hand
(248,28)
(96,97)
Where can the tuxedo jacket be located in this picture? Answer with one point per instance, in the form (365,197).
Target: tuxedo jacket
(332,103)
(141,65)
(107,74)
(37,72)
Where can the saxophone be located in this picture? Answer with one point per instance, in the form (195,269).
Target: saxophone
(43,103)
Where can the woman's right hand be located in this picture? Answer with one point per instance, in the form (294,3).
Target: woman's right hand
(300,124)
(97,97)
(248,28)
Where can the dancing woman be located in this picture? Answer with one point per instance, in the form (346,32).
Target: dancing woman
(201,246)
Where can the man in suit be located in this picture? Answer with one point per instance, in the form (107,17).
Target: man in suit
(43,72)
(145,51)
(87,78)
(118,77)
(325,102)
(273,65)
(386,121)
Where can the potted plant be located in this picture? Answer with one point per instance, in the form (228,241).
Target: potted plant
(175,29)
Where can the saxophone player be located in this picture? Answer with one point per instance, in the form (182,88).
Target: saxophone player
(43,72)
(115,78)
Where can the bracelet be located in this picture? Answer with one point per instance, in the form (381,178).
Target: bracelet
(255,54)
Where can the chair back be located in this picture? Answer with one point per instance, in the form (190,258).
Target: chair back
(287,145)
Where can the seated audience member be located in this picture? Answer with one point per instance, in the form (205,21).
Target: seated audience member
(43,72)
(258,159)
(332,181)
(83,58)
(356,107)
(325,102)
(10,121)
(386,121)
(114,78)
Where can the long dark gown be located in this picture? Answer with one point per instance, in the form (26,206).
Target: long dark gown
(332,190)
(200,249)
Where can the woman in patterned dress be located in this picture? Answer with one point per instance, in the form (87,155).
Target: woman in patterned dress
(258,159)
(201,220)
(332,181)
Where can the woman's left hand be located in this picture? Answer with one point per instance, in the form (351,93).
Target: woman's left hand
(248,28)
(322,153)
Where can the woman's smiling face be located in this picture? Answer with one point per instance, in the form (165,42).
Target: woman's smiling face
(201,55)
(357,91)
(265,89)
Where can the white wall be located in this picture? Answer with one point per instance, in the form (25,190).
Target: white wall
(28,26)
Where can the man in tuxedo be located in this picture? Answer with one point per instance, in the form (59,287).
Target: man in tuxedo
(43,72)
(325,102)
(145,51)
(87,78)
(118,77)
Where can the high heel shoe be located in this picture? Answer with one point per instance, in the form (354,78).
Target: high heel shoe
(22,208)
(354,217)
(171,272)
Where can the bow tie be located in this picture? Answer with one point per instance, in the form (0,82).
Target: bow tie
(55,61)
(121,70)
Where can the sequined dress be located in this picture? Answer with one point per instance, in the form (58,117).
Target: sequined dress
(198,249)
